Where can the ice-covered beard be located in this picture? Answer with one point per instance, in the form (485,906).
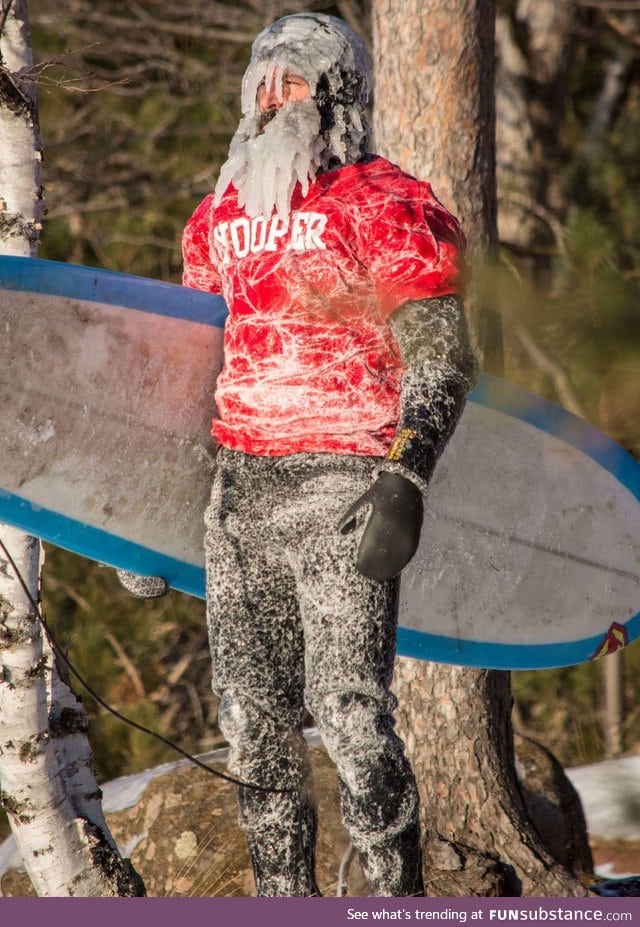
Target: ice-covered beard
(268,156)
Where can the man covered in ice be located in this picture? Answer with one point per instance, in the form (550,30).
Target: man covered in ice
(346,368)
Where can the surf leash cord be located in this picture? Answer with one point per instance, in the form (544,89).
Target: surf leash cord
(59,652)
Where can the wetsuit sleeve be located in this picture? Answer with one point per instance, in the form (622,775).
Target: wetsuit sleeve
(441,368)
(198,270)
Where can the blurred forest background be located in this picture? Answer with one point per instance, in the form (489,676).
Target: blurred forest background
(138,99)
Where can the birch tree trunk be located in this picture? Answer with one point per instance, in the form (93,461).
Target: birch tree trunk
(434,115)
(47,779)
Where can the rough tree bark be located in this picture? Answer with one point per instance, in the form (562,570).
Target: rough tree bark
(434,87)
(47,780)
(434,115)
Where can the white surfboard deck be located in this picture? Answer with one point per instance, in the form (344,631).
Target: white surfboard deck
(530,552)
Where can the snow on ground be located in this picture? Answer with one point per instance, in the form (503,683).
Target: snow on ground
(610,794)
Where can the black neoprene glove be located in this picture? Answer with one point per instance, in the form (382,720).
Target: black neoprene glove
(392,530)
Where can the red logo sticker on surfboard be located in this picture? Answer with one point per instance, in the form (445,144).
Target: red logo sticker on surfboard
(614,639)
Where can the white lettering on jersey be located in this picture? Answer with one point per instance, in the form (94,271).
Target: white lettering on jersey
(316,223)
(240,237)
(258,234)
(278,228)
(303,232)
(220,239)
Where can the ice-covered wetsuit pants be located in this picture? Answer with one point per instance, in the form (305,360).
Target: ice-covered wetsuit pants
(293,624)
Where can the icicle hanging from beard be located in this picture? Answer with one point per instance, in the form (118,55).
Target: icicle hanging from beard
(269,154)
(267,158)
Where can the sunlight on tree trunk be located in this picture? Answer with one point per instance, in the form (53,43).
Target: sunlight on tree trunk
(435,117)
(613,707)
(47,781)
(428,125)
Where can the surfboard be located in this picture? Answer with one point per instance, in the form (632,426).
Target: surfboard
(530,552)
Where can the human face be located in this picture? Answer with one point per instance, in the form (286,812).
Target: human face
(294,89)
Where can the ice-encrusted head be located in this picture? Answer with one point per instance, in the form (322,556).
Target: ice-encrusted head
(328,53)
(266,160)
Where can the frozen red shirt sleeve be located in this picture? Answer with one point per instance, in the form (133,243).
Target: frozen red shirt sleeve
(198,271)
(410,244)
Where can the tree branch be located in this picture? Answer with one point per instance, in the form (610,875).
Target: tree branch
(552,368)
(625,30)
(539,211)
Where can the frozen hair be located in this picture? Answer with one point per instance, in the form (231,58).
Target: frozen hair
(334,60)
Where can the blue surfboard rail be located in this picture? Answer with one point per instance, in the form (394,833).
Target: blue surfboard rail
(101,546)
(167,299)
(75,281)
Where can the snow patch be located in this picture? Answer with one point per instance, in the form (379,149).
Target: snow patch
(610,795)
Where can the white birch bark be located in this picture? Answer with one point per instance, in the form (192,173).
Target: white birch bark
(56,843)
(47,780)
(20,150)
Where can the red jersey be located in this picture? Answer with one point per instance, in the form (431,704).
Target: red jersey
(310,363)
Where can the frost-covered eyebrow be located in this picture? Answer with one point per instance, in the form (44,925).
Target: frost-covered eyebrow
(287,78)
(277,77)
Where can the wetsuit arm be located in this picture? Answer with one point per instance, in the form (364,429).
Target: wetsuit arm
(441,368)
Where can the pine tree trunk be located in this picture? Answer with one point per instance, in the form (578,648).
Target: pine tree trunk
(434,64)
(478,837)
(434,115)
(47,780)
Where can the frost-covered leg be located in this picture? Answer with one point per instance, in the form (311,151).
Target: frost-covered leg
(378,796)
(257,655)
(281,834)
(280,827)
(350,627)
(270,521)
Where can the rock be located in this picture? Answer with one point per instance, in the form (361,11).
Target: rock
(179,827)
(554,806)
